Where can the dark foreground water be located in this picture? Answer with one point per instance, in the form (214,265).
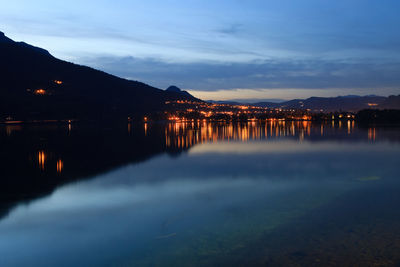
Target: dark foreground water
(200,194)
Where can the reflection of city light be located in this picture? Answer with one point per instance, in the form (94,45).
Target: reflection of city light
(301,136)
(182,134)
(12,128)
(129,128)
(41,159)
(371,134)
(348,127)
(60,166)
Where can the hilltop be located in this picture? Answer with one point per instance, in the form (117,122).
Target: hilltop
(36,85)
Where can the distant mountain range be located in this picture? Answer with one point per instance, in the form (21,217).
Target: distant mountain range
(36,85)
(352,103)
(248,100)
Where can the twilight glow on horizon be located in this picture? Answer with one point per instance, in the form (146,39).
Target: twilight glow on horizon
(223,49)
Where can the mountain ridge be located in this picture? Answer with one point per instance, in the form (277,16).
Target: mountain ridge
(351,103)
(329,104)
(178,90)
(36,85)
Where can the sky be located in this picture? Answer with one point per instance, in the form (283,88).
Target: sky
(225,49)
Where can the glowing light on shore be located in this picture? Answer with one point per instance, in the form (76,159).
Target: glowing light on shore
(40,92)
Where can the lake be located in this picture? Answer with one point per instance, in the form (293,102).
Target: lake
(274,193)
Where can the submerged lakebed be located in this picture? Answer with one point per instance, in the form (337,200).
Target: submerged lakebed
(200,194)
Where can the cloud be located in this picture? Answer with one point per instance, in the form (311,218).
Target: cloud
(232,29)
(222,45)
(268,74)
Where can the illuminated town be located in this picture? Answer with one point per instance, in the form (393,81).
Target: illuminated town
(191,111)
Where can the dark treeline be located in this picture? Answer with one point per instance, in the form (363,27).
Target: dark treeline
(378,116)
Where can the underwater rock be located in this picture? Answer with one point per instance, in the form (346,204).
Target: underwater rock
(369,178)
(166,236)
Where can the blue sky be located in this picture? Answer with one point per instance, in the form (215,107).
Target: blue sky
(223,49)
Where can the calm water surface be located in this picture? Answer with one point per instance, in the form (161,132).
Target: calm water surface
(200,194)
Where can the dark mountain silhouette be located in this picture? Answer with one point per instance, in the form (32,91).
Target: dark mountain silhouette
(250,101)
(392,102)
(177,90)
(344,103)
(226,102)
(36,85)
(173,88)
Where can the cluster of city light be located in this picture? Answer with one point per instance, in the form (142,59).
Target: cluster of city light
(221,112)
(175,118)
(343,116)
(40,91)
(182,102)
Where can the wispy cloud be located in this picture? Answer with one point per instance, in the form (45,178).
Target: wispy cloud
(312,74)
(221,45)
(232,29)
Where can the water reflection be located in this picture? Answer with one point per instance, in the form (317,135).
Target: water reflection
(94,149)
(60,166)
(69,127)
(371,134)
(10,129)
(41,159)
(235,190)
(187,134)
